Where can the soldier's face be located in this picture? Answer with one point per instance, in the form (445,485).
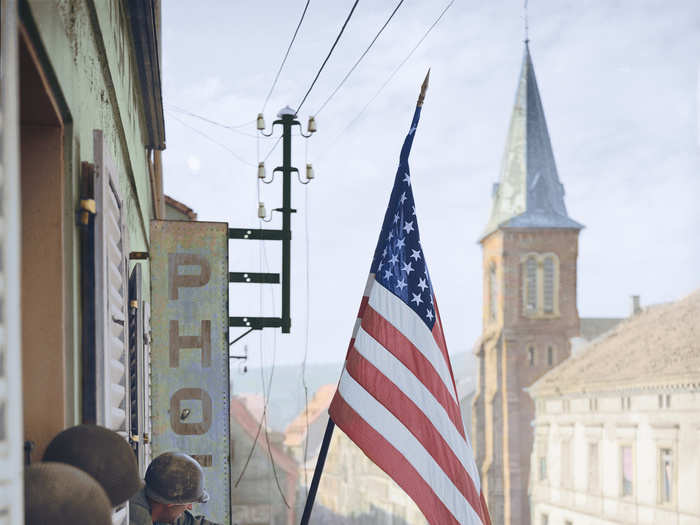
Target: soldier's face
(175,511)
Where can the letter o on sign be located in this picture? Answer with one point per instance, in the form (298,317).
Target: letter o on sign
(190,429)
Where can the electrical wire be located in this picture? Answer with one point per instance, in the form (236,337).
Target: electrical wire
(289,48)
(391,76)
(213,140)
(308,322)
(233,128)
(359,59)
(342,29)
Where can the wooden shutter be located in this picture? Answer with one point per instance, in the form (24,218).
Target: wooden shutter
(11,430)
(111,293)
(139,368)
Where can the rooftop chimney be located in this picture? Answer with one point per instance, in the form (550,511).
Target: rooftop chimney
(636,306)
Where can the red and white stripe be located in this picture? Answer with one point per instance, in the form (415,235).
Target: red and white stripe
(397,401)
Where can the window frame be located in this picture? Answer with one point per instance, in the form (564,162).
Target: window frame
(621,463)
(661,447)
(538,311)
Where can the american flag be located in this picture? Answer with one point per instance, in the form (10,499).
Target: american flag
(396,397)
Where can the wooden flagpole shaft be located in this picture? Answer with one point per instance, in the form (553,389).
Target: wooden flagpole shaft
(317,473)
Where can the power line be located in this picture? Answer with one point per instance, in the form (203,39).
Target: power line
(289,48)
(391,76)
(360,59)
(342,29)
(213,140)
(233,128)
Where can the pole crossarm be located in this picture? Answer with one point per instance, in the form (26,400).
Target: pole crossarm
(258,234)
(253,277)
(255,323)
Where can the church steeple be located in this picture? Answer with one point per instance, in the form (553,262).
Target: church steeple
(529,193)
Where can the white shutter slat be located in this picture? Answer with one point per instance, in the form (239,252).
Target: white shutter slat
(111,290)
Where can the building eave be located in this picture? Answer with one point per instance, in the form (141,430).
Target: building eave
(143,20)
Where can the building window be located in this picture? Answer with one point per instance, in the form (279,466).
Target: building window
(593,472)
(543,468)
(531,285)
(548,284)
(665,475)
(540,273)
(531,355)
(493,291)
(627,471)
(566,472)
(550,356)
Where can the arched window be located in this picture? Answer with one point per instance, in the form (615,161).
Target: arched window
(531,355)
(540,285)
(531,284)
(493,292)
(548,272)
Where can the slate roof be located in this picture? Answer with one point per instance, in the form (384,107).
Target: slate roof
(529,193)
(592,327)
(656,348)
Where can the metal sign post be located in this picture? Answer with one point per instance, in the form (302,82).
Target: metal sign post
(189,362)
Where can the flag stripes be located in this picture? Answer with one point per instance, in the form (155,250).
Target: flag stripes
(416,421)
(396,312)
(379,450)
(423,405)
(386,334)
(380,418)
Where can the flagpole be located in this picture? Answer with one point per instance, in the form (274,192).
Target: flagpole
(317,473)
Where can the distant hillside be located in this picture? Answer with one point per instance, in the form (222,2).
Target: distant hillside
(287,396)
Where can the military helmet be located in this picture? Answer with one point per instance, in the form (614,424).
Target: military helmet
(60,494)
(175,478)
(103,454)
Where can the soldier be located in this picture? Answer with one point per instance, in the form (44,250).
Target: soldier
(103,454)
(174,481)
(60,494)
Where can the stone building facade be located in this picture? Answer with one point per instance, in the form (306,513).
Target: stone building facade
(617,425)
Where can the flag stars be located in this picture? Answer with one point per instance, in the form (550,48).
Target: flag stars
(415,255)
(422,284)
(401,284)
(429,314)
(396,218)
(408,227)
(394,259)
(403,198)
(387,274)
(400,243)
(407,179)
(391,236)
(414,211)
(416,299)
(384,252)
(408,268)
(379,268)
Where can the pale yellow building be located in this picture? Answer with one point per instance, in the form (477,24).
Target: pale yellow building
(617,426)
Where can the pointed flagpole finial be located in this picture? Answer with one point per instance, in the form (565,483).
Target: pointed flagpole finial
(527,28)
(423,89)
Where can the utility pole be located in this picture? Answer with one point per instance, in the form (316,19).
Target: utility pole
(287,120)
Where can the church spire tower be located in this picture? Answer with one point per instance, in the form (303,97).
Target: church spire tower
(529,193)
(530,251)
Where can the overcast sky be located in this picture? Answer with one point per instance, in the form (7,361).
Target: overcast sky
(619,85)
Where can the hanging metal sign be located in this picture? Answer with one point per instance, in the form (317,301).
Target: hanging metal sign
(189,360)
